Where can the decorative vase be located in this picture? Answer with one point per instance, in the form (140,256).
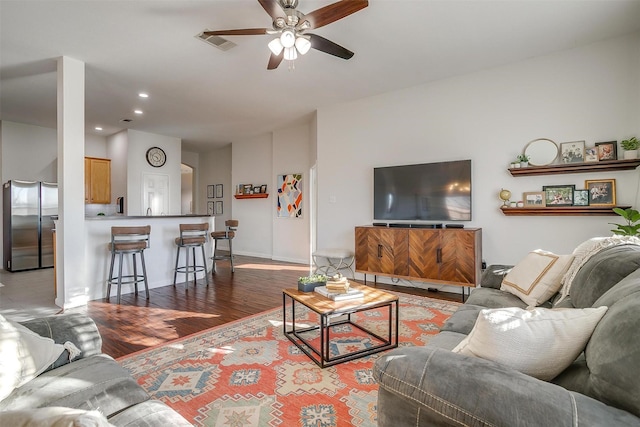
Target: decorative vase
(630,154)
(524,164)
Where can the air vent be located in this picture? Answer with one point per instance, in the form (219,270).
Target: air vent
(217,41)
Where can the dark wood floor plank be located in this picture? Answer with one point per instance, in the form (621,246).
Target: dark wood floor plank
(175,312)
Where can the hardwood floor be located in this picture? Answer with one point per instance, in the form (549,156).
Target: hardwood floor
(174,312)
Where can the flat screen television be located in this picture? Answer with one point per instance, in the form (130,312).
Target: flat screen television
(423,192)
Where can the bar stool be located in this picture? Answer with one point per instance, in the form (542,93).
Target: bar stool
(191,237)
(128,240)
(230,232)
(336,260)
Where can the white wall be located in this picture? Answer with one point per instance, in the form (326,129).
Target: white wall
(137,166)
(588,93)
(193,160)
(252,164)
(29,153)
(291,236)
(215,168)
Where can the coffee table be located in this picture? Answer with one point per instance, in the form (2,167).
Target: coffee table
(334,313)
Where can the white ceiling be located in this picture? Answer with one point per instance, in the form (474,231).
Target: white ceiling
(209,97)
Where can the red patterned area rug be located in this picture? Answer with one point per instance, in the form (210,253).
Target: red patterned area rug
(247,373)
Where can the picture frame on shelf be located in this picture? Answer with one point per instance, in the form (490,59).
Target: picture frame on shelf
(572,152)
(219,206)
(602,192)
(607,150)
(534,199)
(591,154)
(263,188)
(210,190)
(581,197)
(219,188)
(247,188)
(210,208)
(256,190)
(558,195)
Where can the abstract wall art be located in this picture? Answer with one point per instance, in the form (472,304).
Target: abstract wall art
(289,196)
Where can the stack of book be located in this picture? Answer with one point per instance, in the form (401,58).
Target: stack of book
(350,294)
(339,285)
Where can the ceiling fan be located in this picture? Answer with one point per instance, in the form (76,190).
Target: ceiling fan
(291,26)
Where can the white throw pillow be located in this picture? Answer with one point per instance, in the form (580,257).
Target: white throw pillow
(540,342)
(23,355)
(53,416)
(537,277)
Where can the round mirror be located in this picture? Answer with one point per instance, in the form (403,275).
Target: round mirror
(541,152)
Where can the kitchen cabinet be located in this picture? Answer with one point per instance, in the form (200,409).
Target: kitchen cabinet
(97,180)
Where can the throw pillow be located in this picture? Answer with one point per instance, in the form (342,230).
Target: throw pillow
(23,355)
(540,342)
(537,277)
(53,416)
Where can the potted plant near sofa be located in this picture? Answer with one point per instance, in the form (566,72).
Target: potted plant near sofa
(630,147)
(632,227)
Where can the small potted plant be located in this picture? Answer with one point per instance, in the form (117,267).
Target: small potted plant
(309,283)
(630,147)
(632,227)
(523,159)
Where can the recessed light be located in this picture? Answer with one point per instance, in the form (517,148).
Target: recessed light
(143,95)
(98,128)
(137,111)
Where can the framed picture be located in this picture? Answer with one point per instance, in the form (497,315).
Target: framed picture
(210,210)
(210,191)
(602,192)
(558,195)
(534,199)
(256,190)
(219,207)
(247,189)
(607,150)
(218,191)
(581,198)
(572,152)
(591,154)
(263,188)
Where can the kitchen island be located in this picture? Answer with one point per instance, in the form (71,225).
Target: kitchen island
(160,257)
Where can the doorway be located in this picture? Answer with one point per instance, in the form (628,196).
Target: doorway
(186,189)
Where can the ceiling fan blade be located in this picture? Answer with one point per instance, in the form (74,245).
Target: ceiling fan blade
(327,46)
(272,7)
(241,32)
(275,60)
(333,12)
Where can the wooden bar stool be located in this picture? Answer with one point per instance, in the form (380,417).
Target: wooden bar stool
(191,237)
(230,232)
(128,240)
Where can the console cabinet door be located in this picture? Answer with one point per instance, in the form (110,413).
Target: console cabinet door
(424,251)
(460,256)
(382,250)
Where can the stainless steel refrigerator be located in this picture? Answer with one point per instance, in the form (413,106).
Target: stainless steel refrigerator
(28,211)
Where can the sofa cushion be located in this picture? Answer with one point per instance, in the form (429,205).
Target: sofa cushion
(95,382)
(23,355)
(53,417)
(610,368)
(494,298)
(539,342)
(537,277)
(601,272)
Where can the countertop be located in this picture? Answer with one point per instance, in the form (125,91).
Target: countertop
(115,217)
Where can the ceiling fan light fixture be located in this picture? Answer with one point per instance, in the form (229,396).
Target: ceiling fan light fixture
(303,45)
(288,38)
(275,46)
(290,53)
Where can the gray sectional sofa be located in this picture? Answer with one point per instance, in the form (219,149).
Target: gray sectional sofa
(92,381)
(433,386)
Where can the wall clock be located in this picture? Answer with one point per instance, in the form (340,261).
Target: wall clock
(156,157)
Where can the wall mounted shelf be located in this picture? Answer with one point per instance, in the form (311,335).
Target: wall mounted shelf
(603,166)
(251,196)
(562,211)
